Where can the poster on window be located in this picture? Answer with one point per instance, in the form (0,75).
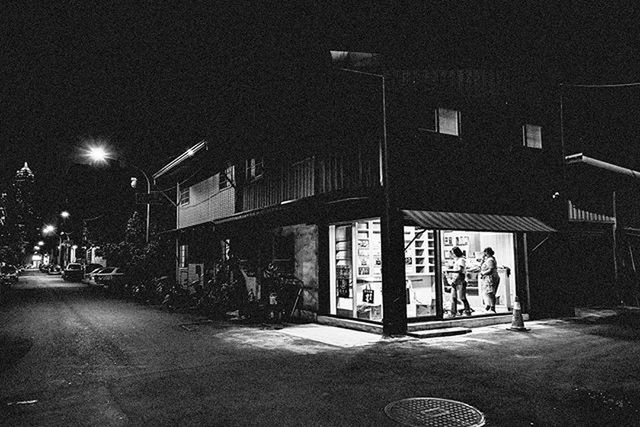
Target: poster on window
(343,287)
(363,271)
(363,243)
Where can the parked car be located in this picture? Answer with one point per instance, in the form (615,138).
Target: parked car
(110,278)
(90,268)
(90,277)
(54,269)
(73,272)
(44,267)
(9,274)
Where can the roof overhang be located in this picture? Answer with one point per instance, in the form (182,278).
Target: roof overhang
(580,158)
(355,59)
(180,159)
(476,222)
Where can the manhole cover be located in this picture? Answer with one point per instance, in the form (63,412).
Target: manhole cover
(431,411)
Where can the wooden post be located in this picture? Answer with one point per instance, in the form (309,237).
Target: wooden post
(615,242)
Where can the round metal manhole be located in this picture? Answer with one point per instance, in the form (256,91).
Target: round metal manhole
(432,411)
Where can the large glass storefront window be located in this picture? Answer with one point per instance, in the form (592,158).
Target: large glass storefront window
(469,254)
(356,273)
(433,262)
(420,268)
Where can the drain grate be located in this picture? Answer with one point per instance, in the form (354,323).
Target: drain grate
(432,411)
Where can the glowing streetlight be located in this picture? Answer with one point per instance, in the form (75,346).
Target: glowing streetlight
(41,243)
(48,229)
(36,248)
(98,154)
(65,214)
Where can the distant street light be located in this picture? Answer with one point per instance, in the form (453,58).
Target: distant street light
(65,214)
(50,229)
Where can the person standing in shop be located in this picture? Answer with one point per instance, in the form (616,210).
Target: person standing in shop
(459,283)
(489,279)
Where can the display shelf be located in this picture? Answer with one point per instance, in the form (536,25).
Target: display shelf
(419,255)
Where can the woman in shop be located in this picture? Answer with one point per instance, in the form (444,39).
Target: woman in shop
(459,284)
(489,279)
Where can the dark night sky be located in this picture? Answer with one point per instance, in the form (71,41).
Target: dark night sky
(155,79)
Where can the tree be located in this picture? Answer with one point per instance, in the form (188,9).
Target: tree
(142,260)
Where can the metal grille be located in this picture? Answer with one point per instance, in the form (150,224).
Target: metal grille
(431,411)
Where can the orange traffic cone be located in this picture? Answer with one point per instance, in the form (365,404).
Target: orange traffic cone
(517,323)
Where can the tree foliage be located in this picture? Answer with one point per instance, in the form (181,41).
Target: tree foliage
(142,260)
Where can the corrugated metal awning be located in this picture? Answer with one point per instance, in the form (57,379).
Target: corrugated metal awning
(475,222)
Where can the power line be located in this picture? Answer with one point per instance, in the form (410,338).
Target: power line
(612,85)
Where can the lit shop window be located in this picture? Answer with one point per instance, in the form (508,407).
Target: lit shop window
(532,136)
(472,283)
(420,265)
(356,273)
(184,196)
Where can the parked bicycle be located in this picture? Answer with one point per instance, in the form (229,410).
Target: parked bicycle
(183,296)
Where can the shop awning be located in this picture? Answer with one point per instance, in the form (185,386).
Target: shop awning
(475,222)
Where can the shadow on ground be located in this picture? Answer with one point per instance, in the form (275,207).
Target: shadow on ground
(12,349)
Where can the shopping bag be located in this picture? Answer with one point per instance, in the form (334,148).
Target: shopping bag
(367,295)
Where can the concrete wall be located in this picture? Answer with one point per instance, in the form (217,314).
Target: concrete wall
(305,239)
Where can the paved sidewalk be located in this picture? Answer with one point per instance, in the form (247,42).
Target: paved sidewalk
(339,337)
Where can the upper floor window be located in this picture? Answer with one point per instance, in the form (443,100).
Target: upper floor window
(226,178)
(254,169)
(448,121)
(184,196)
(532,136)
(444,121)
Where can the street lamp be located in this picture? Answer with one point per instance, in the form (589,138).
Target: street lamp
(50,229)
(99,154)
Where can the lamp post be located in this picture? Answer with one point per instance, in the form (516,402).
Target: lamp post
(101,155)
(395,318)
(133,185)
